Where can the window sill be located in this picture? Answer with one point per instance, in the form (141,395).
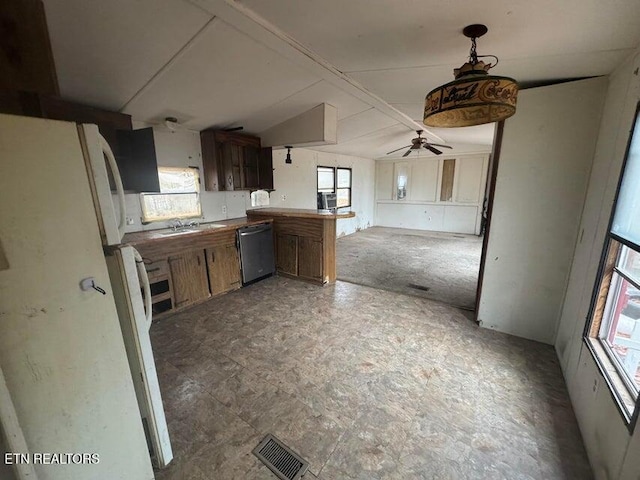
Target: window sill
(617,387)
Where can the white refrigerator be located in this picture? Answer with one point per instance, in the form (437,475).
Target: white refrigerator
(76,361)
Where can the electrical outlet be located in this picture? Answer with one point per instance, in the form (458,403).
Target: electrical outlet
(224,209)
(129,220)
(284,198)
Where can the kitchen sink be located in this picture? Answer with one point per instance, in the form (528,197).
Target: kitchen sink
(210,226)
(199,228)
(179,232)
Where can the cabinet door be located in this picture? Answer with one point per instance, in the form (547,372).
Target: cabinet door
(224,268)
(310,258)
(212,161)
(287,253)
(189,277)
(137,160)
(250,156)
(265,169)
(231,154)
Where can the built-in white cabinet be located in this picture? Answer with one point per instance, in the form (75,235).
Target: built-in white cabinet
(432,193)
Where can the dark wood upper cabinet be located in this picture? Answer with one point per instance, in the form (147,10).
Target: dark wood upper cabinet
(136,160)
(265,168)
(234,161)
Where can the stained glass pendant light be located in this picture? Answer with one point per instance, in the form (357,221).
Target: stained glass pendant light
(474,97)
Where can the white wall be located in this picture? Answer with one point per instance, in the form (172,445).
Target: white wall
(612,451)
(422,208)
(182,149)
(295,184)
(546,158)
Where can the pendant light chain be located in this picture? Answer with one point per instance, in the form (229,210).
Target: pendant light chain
(473,56)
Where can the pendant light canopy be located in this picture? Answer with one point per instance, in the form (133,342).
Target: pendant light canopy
(474,97)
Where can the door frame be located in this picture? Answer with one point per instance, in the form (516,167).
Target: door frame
(492,175)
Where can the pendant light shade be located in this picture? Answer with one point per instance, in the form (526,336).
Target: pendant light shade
(474,97)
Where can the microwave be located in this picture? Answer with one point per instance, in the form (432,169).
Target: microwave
(327,201)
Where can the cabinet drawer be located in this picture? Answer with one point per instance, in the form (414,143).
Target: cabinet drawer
(157,269)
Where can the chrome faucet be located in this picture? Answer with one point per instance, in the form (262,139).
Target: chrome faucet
(177,224)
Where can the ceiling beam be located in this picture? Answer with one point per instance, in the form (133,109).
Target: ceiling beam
(250,23)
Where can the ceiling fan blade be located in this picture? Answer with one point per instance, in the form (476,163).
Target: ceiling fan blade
(438,145)
(398,149)
(406,153)
(432,149)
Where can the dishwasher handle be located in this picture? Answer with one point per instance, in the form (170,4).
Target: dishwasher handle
(255,231)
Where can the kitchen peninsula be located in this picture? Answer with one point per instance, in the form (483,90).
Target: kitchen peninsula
(305,241)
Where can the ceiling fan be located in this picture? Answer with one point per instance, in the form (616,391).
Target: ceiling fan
(418,143)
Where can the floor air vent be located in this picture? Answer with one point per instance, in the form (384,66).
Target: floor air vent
(281,460)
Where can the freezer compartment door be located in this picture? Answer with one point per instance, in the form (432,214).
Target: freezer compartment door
(135,323)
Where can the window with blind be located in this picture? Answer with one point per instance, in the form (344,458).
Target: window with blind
(613,333)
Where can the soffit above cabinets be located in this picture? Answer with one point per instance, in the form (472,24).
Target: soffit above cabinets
(105,51)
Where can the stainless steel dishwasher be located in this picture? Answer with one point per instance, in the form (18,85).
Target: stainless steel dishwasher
(256,252)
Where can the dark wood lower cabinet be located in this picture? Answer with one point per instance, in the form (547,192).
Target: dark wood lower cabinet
(305,242)
(188,269)
(189,278)
(224,268)
(310,258)
(287,253)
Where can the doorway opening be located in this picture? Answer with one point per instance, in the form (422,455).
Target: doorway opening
(431,215)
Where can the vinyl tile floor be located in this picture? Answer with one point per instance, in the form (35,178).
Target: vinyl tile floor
(364,384)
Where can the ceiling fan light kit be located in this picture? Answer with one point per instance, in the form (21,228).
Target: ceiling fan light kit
(474,97)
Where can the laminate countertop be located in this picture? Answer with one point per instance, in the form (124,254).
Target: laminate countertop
(299,213)
(138,238)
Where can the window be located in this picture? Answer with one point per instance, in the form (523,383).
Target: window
(178,198)
(613,333)
(336,180)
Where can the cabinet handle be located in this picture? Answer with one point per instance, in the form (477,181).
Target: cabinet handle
(153,269)
(198,257)
(213,256)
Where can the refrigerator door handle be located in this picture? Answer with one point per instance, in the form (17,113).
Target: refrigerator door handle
(113,166)
(146,287)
